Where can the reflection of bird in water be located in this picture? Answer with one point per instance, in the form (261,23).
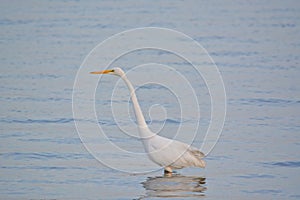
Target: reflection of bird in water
(170,154)
(175,186)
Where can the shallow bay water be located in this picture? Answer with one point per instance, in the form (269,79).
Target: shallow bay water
(256,47)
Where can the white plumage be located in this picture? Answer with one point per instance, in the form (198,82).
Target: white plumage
(170,154)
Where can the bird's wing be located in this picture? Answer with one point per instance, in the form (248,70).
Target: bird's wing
(191,157)
(196,152)
(166,152)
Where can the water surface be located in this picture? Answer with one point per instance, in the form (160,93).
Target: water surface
(256,47)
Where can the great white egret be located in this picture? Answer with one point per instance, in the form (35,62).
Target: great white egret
(170,154)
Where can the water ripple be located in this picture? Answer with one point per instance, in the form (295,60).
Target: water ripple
(33,99)
(38,121)
(55,140)
(153,86)
(44,156)
(292,164)
(266,191)
(270,101)
(251,176)
(47,168)
(171,121)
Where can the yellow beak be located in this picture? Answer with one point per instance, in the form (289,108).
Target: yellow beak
(103,72)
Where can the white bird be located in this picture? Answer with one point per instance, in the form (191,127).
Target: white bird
(170,154)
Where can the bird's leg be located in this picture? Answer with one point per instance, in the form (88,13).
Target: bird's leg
(168,170)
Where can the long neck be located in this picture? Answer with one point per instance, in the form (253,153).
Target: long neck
(136,107)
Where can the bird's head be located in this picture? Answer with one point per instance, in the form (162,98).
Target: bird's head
(115,71)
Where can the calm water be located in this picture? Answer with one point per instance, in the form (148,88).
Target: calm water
(256,46)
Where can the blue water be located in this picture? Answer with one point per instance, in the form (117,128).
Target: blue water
(256,47)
